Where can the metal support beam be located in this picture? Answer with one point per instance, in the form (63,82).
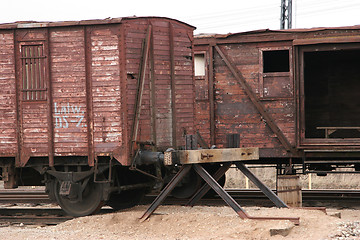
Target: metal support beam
(215,186)
(206,187)
(231,202)
(166,191)
(270,194)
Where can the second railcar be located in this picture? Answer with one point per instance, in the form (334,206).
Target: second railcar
(80,99)
(292,93)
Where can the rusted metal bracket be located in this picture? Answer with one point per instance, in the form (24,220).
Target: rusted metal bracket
(259,106)
(215,186)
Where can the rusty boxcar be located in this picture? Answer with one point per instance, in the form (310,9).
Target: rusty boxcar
(80,98)
(292,93)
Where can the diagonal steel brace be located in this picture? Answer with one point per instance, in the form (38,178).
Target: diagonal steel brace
(270,194)
(231,202)
(166,191)
(214,185)
(206,187)
(220,191)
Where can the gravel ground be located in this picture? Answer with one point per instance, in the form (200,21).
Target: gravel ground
(180,223)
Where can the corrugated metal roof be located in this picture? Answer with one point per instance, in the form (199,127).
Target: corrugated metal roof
(34,24)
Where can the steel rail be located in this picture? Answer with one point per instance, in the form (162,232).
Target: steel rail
(39,196)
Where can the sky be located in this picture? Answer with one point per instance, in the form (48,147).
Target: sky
(207,16)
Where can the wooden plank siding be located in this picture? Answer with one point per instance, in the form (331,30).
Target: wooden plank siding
(234,112)
(184,89)
(8,141)
(105,73)
(87,74)
(68,91)
(279,93)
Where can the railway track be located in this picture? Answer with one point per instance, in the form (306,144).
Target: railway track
(39,196)
(44,215)
(32,216)
(24,196)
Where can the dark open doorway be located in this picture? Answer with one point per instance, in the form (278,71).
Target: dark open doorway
(332,93)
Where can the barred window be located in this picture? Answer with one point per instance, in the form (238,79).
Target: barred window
(33,73)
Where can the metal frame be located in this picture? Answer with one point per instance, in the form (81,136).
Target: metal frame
(211,182)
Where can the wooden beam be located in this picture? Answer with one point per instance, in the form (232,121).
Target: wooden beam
(50,122)
(172,84)
(211,95)
(89,97)
(152,94)
(217,155)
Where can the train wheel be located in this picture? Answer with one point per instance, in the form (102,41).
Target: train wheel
(126,199)
(90,201)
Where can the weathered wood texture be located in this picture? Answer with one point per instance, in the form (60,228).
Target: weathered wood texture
(67,52)
(8,143)
(235,113)
(105,74)
(91,70)
(183,81)
(217,155)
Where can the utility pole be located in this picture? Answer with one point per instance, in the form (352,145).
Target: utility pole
(286,14)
